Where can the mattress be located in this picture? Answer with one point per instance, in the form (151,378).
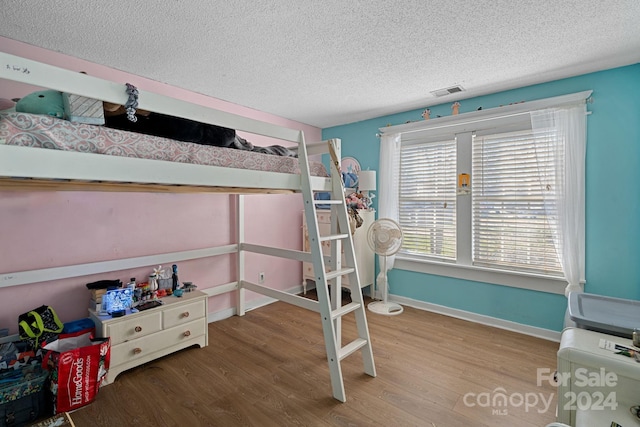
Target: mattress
(30,130)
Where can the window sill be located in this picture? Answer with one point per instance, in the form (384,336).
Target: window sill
(479,274)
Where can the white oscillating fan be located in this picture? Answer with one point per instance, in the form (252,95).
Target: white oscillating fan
(385,238)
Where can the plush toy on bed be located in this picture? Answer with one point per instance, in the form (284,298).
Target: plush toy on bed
(47,102)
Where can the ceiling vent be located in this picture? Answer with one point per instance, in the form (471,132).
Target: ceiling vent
(447,91)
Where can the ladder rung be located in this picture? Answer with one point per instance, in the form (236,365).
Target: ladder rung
(347,308)
(328,202)
(334,237)
(354,345)
(342,272)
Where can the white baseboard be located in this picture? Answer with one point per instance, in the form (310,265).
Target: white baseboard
(508,325)
(546,334)
(215,316)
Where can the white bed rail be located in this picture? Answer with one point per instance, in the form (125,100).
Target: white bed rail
(322,147)
(48,76)
(19,162)
(77,270)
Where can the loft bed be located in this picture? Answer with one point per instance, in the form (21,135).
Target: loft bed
(18,129)
(124,173)
(54,167)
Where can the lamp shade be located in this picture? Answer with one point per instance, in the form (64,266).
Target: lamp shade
(367,180)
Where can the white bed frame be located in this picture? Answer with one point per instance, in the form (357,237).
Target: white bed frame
(25,168)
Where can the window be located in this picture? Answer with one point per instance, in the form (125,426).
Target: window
(427,199)
(512,202)
(526,204)
(512,215)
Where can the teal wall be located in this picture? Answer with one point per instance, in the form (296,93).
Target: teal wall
(612,199)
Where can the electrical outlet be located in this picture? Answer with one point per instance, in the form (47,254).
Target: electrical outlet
(261,277)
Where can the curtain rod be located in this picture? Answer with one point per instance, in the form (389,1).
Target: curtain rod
(479,116)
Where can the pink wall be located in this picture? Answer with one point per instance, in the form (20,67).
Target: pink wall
(41,230)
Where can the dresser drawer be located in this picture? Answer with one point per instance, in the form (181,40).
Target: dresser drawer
(307,272)
(365,258)
(134,327)
(323,217)
(182,314)
(324,230)
(142,347)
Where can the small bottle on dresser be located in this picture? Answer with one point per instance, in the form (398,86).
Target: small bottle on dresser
(132,287)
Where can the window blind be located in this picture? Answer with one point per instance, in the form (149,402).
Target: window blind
(427,199)
(514,201)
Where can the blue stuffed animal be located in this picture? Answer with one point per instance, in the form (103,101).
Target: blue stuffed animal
(47,102)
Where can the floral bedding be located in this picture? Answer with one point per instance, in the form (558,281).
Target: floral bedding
(30,130)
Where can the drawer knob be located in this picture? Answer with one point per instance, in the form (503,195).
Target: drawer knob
(185,314)
(137,350)
(138,329)
(187,333)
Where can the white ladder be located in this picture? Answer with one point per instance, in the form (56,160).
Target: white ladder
(330,307)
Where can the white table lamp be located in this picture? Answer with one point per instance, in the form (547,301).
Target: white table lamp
(367,181)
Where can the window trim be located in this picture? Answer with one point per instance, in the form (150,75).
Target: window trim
(473,122)
(514,279)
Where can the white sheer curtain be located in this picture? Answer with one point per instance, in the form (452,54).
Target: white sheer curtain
(389,178)
(568,125)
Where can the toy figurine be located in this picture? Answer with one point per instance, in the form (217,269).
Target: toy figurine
(426,114)
(153,282)
(455,108)
(174,277)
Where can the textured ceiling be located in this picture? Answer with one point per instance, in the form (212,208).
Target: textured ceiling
(330,62)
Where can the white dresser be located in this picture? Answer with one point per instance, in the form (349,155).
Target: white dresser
(365,258)
(138,338)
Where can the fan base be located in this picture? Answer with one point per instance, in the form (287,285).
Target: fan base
(385,308)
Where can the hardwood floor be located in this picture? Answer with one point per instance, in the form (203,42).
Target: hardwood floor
(269,368)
